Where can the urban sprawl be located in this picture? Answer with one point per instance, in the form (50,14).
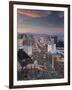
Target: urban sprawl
(40,56)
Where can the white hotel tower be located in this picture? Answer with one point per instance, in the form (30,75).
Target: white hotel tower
(27,45)
(51,46)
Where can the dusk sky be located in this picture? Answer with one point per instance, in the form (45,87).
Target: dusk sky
(40,21)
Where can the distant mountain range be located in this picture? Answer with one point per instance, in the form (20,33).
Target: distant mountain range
(42,34)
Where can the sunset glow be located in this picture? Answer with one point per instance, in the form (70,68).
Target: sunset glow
(40,21)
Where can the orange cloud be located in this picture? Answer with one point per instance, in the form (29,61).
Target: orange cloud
(33,14)
(27,13)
